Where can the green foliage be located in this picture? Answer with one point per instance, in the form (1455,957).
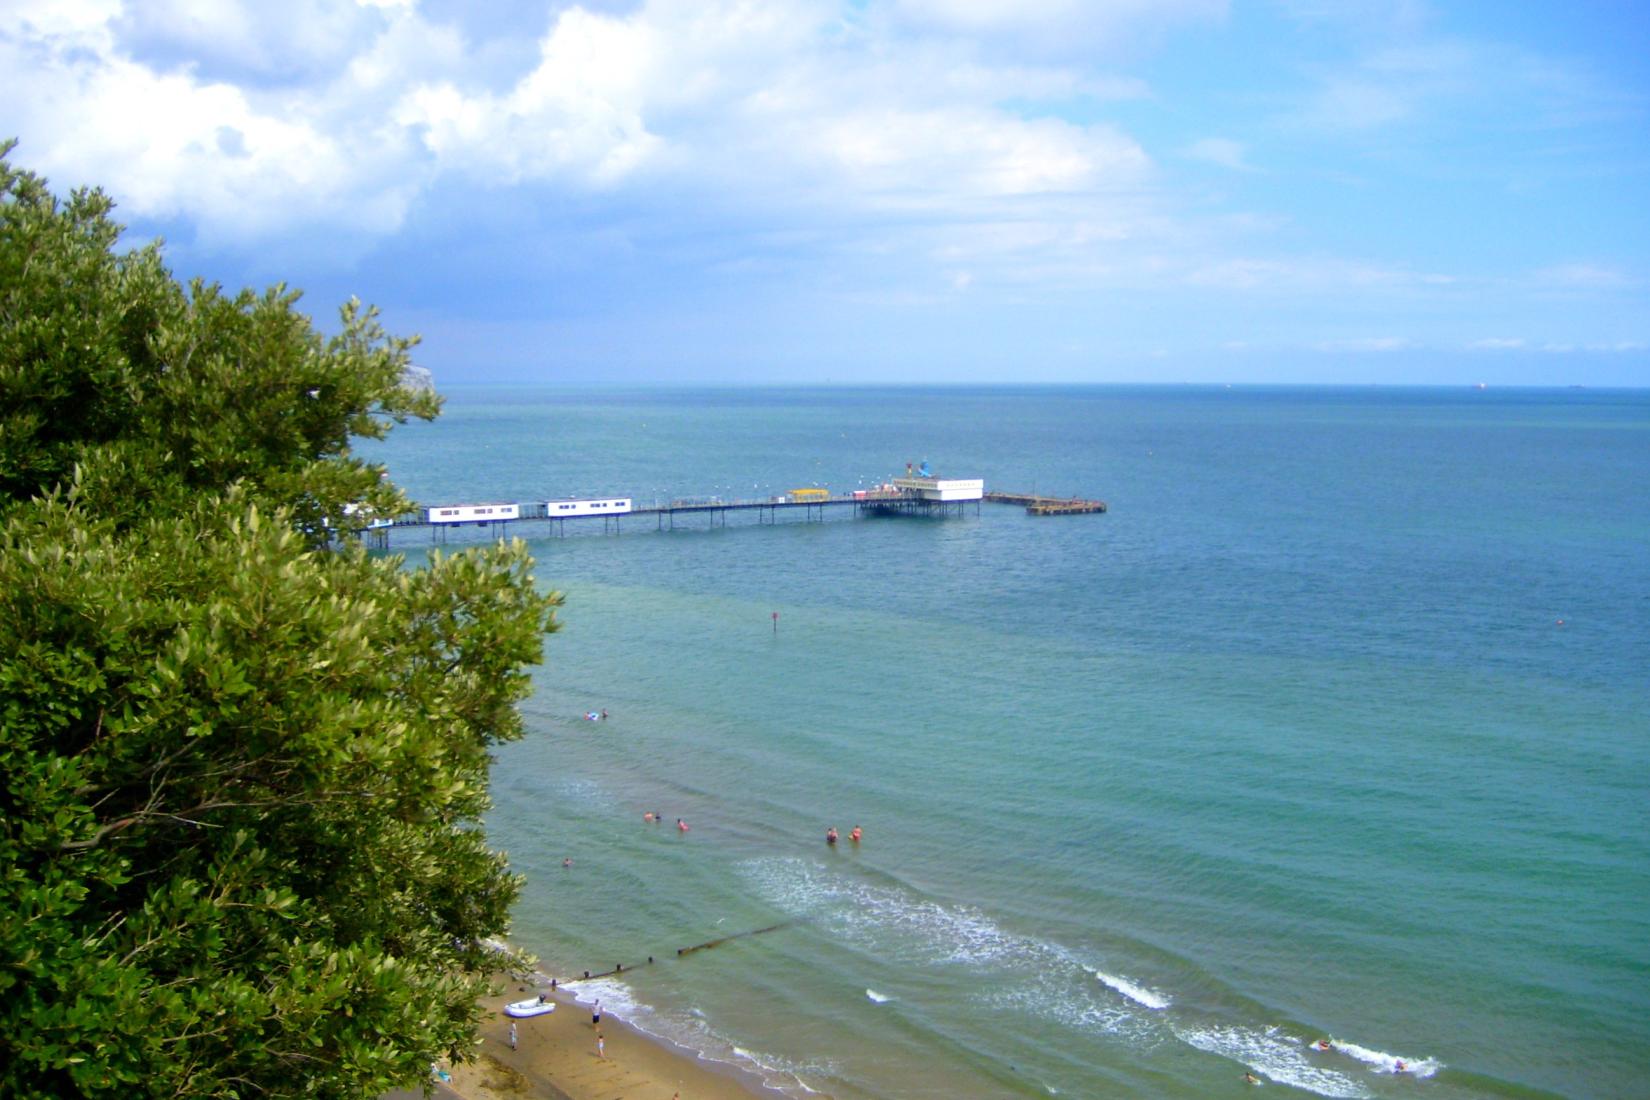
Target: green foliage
(159,392)
(241,774)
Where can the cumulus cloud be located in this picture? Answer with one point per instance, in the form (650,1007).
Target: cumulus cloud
(238,162)
(295,40)
(578,112)
(251,123)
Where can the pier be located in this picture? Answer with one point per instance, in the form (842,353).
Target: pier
(907,496)
(1048,506)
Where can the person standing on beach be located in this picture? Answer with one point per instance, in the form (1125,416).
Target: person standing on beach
(601,1047)
(512,1035)
(596,1014)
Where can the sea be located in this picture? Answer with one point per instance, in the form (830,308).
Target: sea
(1336,725)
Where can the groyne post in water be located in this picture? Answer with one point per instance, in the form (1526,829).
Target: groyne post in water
(619,968)
(708,944)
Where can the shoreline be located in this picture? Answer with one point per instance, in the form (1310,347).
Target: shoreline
(555,1058)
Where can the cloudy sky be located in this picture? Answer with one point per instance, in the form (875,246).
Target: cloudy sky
(887,190)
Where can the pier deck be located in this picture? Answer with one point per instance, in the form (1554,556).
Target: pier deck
(1048,506)
(767,511)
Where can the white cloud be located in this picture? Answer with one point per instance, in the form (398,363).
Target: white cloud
(1497,343)
(167,144)
(341,115)
(578,112)
(237,39)
(962,153)
(65,17)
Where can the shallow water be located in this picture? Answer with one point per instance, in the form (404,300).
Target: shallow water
(1334,725)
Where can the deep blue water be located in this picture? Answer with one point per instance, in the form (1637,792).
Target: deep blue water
(1335,725)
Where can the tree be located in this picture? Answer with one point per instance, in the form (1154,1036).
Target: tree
(160,392)
(241,773)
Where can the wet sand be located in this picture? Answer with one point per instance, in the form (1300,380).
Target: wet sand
(555,1058)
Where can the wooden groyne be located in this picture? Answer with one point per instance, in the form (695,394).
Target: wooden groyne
(1048,506)
(620,968)
(708,944)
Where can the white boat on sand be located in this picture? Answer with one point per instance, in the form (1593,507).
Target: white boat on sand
(538,1006)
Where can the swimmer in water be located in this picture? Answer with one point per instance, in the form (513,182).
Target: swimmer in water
(1324,1044)
(1398,1065)
(1250,1079)
(681,825)
(854,836)
(648,816)
(830,835)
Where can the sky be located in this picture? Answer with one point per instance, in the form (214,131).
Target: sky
(886,191)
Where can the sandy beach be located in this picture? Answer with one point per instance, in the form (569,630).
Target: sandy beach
(555,1057)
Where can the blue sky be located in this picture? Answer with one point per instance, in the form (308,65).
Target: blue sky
(887,191)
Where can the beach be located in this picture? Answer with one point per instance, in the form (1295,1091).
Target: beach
(555,1058)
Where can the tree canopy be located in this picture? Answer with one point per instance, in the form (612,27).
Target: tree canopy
(242,766)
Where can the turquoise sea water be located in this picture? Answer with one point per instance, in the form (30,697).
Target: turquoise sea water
(1338,724)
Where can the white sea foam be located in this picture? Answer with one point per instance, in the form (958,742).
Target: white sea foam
(1029,975)
(616,997)
(1388,1063)
(1077,1006)
(690,1031)
(1134,991)
(879,998)
(1273,1055)
(889,920)
(778,1074)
